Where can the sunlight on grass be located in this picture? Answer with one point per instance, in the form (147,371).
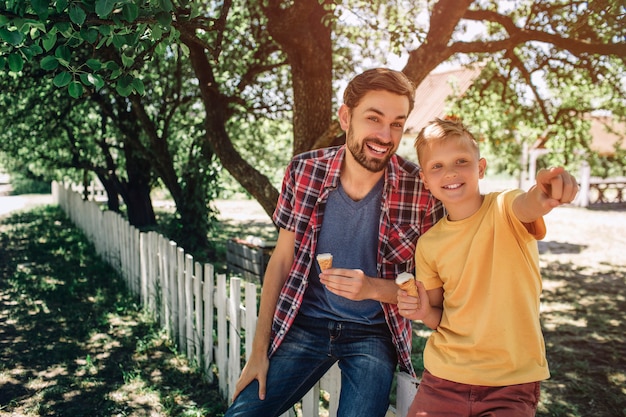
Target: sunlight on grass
(135,393)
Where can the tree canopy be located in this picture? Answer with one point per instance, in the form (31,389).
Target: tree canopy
(184,88)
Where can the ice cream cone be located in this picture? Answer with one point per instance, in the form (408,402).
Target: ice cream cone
(325,260)
(406,281)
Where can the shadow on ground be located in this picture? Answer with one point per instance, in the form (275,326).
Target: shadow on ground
(73,342)
(584,325)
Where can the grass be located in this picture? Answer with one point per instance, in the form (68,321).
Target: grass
(74,343)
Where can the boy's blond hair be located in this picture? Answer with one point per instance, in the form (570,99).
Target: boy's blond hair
(441,129)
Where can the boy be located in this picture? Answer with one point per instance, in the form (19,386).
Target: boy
(480,282)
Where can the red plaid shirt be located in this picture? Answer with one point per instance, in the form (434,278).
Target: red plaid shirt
(408,211)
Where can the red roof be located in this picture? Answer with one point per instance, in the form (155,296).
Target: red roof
(432,93)
(606,132)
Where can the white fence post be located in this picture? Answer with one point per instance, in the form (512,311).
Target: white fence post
(405,391)
(582,199)
(197,308)
(180,293)
(221,356)
(207,295)
(234,334)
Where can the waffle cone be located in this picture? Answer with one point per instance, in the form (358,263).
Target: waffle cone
(410,287)
(406,282)
(325,261)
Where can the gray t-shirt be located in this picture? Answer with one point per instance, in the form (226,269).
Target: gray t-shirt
(350,232)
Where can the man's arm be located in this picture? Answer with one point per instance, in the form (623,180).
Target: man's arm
(276,274)
(354,285)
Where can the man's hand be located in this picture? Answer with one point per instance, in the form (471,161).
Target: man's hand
(352,284)
(256,368)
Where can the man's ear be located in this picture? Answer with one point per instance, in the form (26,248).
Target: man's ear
(344,117)
(482,167)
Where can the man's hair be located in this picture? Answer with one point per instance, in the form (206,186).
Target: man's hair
(378,79)
(440,129)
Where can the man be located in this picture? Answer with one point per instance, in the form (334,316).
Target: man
(367,207)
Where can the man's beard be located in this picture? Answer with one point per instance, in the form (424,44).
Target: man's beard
(358,152)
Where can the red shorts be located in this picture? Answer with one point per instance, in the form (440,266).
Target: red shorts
(439,397)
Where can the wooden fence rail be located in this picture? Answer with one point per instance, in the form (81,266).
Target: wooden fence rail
(187,298)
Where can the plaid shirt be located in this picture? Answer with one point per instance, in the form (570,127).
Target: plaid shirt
(407,211)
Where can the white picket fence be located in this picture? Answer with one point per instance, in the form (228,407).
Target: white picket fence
(187,297)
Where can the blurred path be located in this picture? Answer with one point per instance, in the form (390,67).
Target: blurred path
(10,203)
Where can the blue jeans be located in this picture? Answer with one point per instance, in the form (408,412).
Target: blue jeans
(367,359)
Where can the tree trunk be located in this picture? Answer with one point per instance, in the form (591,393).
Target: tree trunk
(257,184)
(303,31)
(137,190)
(111,188)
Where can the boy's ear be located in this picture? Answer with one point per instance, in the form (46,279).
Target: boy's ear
(482,167)
(344,117)
(423,179)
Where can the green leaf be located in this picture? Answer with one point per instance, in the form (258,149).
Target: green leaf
(124,86)
(105,30)
(16,62)
(49,41)
(130,11)
(94,64)
(13,37)
(112,66)
(31,51)
(75,89)
(49,63)
(165,19)
(127,61)
(138,86)
(4,20)
(77,14)
(63,53)
(98,82)
(86,79)
(89,34)
(166,5)
(104,7)
(119,41)
(61,5)
(62,79)
(156,32)
(41,8)
(64,28)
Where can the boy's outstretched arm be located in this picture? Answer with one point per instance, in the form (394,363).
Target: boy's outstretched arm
(554,187)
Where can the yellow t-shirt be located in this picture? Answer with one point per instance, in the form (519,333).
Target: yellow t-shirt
(488,265)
